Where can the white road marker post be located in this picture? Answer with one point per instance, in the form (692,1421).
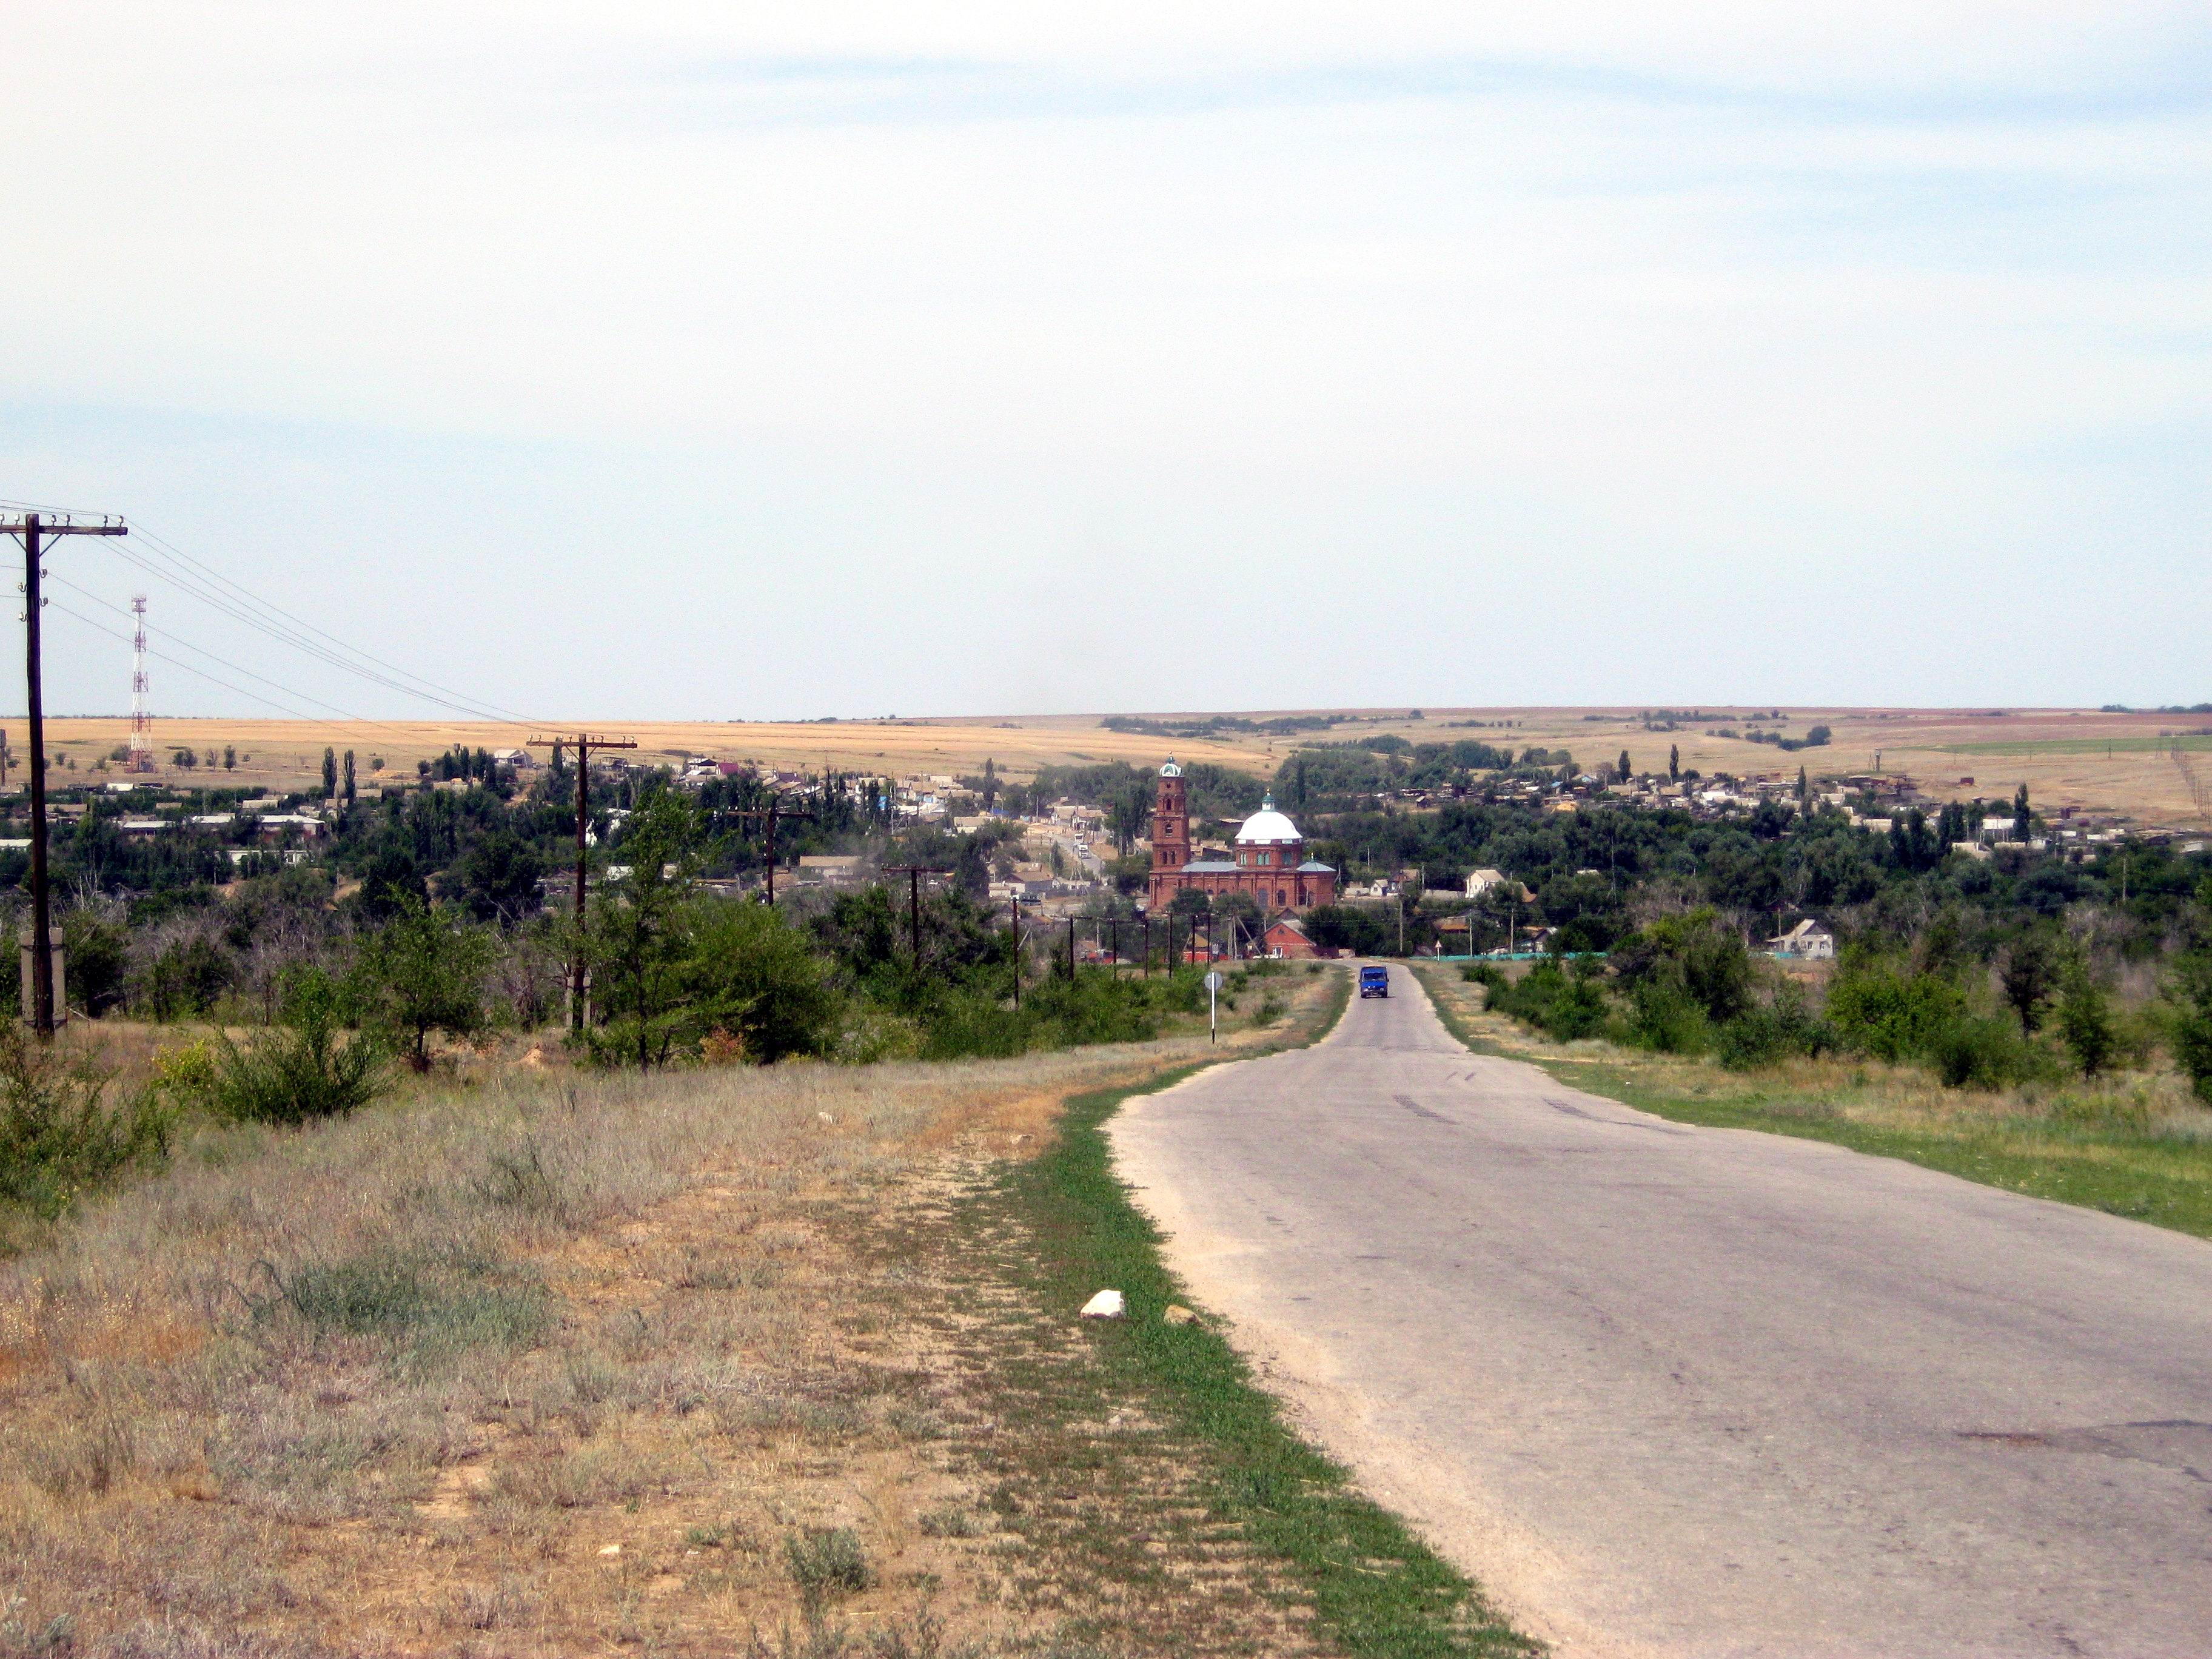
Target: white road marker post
(1212,1011)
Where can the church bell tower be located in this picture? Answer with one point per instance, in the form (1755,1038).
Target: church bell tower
(1171,822)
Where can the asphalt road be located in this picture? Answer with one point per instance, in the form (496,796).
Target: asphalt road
(1669,1390)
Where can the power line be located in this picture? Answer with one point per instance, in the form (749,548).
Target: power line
(267,701)
(218,602)
(291,691)
(289,629)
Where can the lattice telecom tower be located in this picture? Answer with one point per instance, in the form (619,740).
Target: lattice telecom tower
(142,723)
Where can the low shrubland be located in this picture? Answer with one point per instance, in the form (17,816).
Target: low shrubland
(586,1358)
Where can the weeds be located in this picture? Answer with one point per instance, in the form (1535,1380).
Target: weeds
(435,1309)
(58,1137)
(826,1561)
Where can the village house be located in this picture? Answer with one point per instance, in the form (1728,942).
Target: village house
(1808,941)
(1287,938)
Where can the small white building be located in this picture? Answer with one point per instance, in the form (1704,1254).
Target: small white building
(1808,941)
(1482,881)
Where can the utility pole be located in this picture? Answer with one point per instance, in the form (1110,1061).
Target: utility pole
(584,741)
(1017,953)
(774,812)
(34,528)
(913,873)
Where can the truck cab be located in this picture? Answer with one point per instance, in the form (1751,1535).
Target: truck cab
(1375,982)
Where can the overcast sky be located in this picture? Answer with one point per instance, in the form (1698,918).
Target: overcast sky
(728,361)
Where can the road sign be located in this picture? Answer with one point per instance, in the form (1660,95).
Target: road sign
(1214,982)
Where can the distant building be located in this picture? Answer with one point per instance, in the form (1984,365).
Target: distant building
(1286,937)
(1808,940)
(832,869)
(1268,862)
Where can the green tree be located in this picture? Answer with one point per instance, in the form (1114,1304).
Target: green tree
(638,935)
(1621,770)
(749,972)
(2189,1027)
(2029,974)
(2086,1023)
(330,774)
(497,877)
(2020,814)
(424,971)
(229,759)
(1675,763)
(349,777)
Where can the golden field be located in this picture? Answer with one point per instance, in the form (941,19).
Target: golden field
(2116,763)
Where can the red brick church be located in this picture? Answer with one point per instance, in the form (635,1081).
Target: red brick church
(1269,862)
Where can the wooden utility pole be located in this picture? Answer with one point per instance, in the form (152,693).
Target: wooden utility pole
(34,528)
(772,814)
(1017,953)
(585,742)
(913,873)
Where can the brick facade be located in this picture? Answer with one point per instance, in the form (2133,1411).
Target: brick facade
(1269,863)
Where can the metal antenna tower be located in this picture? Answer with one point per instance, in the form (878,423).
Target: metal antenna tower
(142,723)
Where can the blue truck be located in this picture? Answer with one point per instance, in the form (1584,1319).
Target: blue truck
(1375,982)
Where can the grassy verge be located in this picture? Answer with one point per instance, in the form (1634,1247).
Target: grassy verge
(2132,1147)
(1372,1588)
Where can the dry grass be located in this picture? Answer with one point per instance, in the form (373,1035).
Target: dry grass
(552,1363)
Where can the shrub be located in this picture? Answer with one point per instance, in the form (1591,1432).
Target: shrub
(826,1561)
(309,1068)
(1765,1035)
(1976,1051)
(1892,1015)
(57,1135)
(1664,1017)
(1700,955)
(2085,1024)
(2189,1028)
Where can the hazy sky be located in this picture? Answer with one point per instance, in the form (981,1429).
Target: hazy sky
(747,361)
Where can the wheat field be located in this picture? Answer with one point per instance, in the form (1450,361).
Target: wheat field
(2120,762)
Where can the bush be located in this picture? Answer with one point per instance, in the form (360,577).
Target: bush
(826,1561)
(1698,954)
(1892,1015)
(1547,999)
(2085,1024)
(308,1068)
(58,1137)
(1978,1051)
(1665,1017)
(1765,1036)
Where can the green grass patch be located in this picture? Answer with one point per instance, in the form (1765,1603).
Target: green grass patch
(2096,1160)
(1376,1589)
(429,1310)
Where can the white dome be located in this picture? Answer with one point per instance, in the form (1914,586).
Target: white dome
(1267,828)
(1170,770)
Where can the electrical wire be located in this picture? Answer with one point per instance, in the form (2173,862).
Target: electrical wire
(217,602)
(208,584)
(235,668)
(257,696)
